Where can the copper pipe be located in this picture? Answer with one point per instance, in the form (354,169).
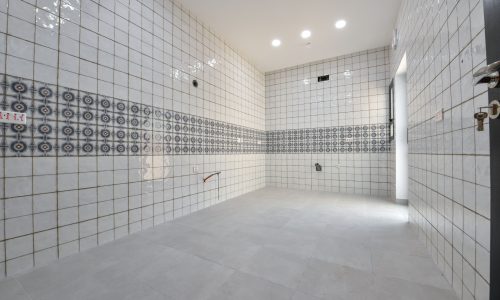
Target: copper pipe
(210,176)
(218,182)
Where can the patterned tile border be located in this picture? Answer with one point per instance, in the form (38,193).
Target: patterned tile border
(67,122)
(344,139)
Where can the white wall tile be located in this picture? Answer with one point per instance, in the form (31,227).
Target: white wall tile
(444,81)
(120,50)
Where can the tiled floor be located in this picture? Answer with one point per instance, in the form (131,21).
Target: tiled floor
(269,244)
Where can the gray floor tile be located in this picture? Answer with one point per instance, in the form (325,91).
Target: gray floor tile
(91,288)
(11,289)
(384,288)
(268,244)
(409,267)
(332,281)
(303,296)
(243,286)
(276,266)
(179,275)
(344,252)
(64,272)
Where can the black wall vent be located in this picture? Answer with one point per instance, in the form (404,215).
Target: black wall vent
(323,78)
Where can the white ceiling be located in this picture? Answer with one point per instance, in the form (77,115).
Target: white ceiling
(251,25)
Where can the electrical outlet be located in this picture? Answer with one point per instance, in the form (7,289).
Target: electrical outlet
(12,117)
(195,169)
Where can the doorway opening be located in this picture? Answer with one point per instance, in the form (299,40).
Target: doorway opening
(400,143)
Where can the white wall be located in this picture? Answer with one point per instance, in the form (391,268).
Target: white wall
(340,123)
(449,187)
(133,54)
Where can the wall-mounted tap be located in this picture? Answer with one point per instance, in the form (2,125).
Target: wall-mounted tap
(318,167)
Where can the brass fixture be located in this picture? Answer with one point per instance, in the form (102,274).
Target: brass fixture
(480,116)
(494,110)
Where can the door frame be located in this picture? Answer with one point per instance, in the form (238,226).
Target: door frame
(492,24)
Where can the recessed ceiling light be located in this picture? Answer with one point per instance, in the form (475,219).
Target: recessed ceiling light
(276,43)
(340,24)
(305,34)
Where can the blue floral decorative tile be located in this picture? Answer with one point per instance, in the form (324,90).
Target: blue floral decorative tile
(69,122)
(44,137)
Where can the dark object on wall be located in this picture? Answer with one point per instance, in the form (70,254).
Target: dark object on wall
(318,167)
(218,182)
(195,83)
(492,23)
(323,78)
(210,176)
(391,111)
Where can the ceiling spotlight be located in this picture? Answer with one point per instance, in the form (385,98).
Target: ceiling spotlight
(305,34)
(340,24)
(276,43)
